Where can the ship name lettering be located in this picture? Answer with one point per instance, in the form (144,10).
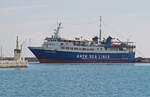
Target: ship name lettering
(81,56)
(92,56)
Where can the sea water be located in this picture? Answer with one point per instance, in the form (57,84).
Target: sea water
(77,80)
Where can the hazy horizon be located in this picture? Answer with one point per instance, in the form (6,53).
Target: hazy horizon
(33,20)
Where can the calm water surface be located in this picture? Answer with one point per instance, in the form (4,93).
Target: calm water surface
(76,80)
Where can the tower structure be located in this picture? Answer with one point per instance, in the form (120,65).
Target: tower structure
(17,51)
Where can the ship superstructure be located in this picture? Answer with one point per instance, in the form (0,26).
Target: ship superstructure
(59,50)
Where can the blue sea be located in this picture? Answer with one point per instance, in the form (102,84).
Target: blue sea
(77,80)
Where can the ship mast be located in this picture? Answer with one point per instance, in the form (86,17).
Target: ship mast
(100,30)
(1,52)
(57,31)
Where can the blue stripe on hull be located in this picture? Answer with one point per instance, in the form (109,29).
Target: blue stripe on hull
(48,56)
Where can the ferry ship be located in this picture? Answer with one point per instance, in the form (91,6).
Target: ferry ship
(56,49)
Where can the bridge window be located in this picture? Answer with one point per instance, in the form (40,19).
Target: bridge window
(80,48)
(75,48)
(67,48)
(83,48)
(62,47)
(71,48)
(46,46)
(91,49)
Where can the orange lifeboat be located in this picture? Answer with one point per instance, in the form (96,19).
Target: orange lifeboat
(116,45)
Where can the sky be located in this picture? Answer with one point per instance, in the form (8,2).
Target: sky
(33,20)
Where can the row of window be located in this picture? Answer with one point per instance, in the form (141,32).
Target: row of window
(65,40)
(84,49)
(75,48)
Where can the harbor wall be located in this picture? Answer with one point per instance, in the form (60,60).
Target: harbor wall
(29,59)
(142,60)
